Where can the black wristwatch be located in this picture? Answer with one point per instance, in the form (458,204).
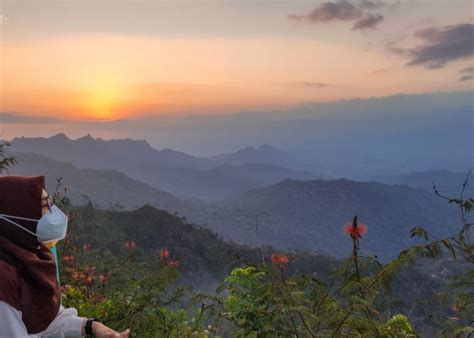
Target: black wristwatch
(88,327)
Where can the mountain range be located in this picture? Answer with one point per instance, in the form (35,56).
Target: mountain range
(106,188)
(176,172)
(214,177)
(292,214)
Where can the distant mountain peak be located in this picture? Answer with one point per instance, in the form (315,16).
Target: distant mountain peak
(169,150)
(60,136)
(87,138)
(264,149)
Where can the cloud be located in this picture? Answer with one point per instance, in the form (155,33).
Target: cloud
(369,21)
(27,119)
(469,73)
(316,85)
(466,78)
(379,71)
(367,4)
(344,10)
(331,11)
(442,45)
(467,70)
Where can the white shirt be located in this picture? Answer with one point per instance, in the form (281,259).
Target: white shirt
(66,324)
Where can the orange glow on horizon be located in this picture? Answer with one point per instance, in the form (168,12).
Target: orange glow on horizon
(103,99)
(117,76)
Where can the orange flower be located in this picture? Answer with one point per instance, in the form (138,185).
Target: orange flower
(279,260)
(173,263)
(130,245)
(89,279)
(355,231)
(164,254)
(68,259)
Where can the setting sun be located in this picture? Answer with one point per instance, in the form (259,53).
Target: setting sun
(102,98)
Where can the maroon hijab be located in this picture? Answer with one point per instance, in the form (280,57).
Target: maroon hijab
(27,268)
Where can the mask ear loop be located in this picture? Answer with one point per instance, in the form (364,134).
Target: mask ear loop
(6,218)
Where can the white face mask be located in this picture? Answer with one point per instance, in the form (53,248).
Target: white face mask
(51,227)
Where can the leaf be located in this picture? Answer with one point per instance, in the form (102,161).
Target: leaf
(449,247)
(419,232)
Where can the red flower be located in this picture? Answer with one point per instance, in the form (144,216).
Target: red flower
(357,231)
(173,263)
(164,254)
(86,247)
(130,245)
(89,279)
(279,260)
(102,279)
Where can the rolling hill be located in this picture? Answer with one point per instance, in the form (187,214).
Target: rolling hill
(104,188)
(293,214)
(447,182)
(205,258)
(309,215)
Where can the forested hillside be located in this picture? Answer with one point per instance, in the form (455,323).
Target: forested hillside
(308,215)
(165,264)
(205,258)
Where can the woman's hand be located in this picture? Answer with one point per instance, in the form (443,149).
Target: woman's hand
(101,331)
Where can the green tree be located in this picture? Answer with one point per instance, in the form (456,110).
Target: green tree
(5,159)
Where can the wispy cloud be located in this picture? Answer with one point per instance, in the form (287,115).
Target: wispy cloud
(27,119)
(331,11)
(368,4)
(369,21)
(344,10)
(467,70)
(467,73)
(380,71)
(315,85)
(466,78)
(442,45)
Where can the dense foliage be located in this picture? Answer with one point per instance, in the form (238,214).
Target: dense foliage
(133,269)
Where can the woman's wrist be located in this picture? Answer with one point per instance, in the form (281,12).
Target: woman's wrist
(89,327)
(95,325)
(100,330)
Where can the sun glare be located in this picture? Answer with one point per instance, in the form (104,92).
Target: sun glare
(103,99)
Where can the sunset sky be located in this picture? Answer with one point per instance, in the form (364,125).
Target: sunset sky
(108,60)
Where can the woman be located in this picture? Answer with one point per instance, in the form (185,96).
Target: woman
(29,293)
